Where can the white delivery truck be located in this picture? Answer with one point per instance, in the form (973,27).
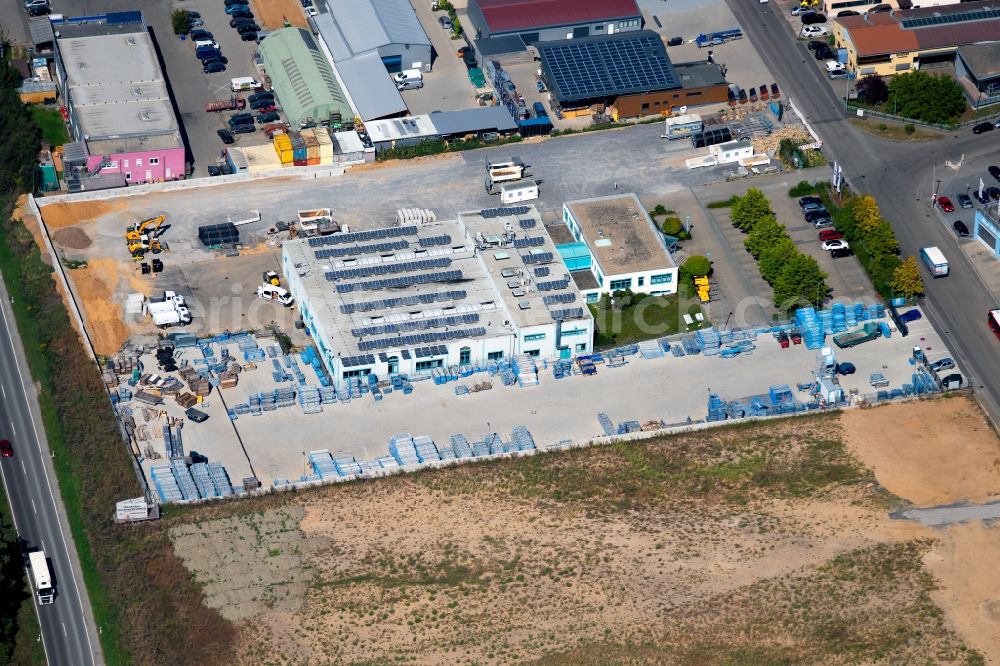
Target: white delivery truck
(503,172)
(41,578)
(935,261)
(521,190)
(242,83)
(171,310)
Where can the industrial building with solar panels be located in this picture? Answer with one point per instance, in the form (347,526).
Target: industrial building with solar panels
(413,297)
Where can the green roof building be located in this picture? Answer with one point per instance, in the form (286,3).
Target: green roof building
(302,78)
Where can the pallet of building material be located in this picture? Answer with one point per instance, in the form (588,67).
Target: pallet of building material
(654,424)
(110,379)
(149,398)
(186,400)
(481,386)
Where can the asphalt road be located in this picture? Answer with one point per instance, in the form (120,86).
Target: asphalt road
(34,500)
(901,177)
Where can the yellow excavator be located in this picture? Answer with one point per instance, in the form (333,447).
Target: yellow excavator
(138,229)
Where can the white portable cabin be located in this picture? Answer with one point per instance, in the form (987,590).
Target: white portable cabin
(522,190)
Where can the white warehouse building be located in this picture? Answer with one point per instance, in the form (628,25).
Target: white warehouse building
(411,298)
(618,247)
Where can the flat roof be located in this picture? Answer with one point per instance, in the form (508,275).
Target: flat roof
(607,66)
(982,60)
(620,234)
(116,88)
(370,87)
(524,266)
(520,15)
(411,127)
(699,74)
(476,119)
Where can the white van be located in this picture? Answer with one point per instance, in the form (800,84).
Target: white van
(408,75)
(206,42)
(410,84)
(244,83)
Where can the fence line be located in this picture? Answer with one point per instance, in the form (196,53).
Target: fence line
(911,121)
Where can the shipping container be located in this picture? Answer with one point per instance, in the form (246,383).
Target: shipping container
(312,146)
(283,148)
(325,145)
(299,152)
(261,158)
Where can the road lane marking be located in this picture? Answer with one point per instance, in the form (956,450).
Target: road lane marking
(4,391)
(33,506)
(13,429)
(23,468)
(64,630)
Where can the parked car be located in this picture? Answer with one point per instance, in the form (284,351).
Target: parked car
(199,35)
(39,10)
(6,449)
(815,31)
(960,228)
(205,43)
(942,364)
(230,3)
(813,215)
(311,12)
(964,201)
(445,22)
(821,222)
(830,234)
(824,53)
(226,136)
(994,193)
(240,118)
(812,45)
(944,203)
(268,117)
(249,36)
(193,14)
(239,11)
(799,10)
(812,199)
(879,9)
(983,127)
(841,253)
(256,97)
(812,205)
(846,368)
(838,244)
(196,415)
(982,197)
(243,129)
(214,170)
(197,22)
(306,3)
(247,27)
(813,18)
(216,58)
(910,315)
(848,12)
(266,104)
(952,381)
(213,67)
(994,171)
(240,21)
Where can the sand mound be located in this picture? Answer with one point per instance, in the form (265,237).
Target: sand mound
(95,286)
(61,215)
(73,238)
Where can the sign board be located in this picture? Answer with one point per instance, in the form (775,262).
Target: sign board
(132,509)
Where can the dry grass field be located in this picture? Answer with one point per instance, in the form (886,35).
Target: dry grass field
(751,544)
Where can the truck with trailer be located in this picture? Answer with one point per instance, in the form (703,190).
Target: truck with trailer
(935,261)
(170,310)
(41,577)
(869,331)
(234,103)
(718,38)
(503,172)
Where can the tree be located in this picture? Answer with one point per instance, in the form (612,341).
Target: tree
(749,209)
(774,258)
(906,279)
(927,97)
(800,281)
(872,89)
(866,213)
(181,21)
(672,226)
(763,235)
(881,241)
(695,266)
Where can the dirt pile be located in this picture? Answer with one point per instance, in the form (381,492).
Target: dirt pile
(62,215)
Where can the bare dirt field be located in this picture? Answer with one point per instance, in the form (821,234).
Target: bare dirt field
(757,543)
(273,13)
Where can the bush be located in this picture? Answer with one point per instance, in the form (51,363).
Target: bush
(882,127)
(727,203)
(803,188)
(660,209)
(927,97)
(672,226)
(909,128)
(181,21)
(695,266)
(872,89)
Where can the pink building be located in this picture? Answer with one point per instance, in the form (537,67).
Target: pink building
(117,105)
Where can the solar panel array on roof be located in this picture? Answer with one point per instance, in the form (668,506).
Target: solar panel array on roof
(541,271)
(405,301)
(396,282)
(537,258)
(527,223)
(435,240)
(424,352)
(416,325)
(529,241)
(555,299)
(608,66)
(355,361)
(390,343)
(361,249)
(406,354)
(957,17)
(363,236)
(568,313)
(385,269)
(552,285)
(488,213)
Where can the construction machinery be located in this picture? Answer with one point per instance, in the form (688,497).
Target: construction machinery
(703,288)
(271,277)
(151,227)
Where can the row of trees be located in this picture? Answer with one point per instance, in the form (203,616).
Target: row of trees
(795,278)
(928,97)
(874,241)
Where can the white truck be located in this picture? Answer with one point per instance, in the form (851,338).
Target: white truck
(41,578)
(309,220)
(274,294)
(171,310)
(935,261)
(503,172)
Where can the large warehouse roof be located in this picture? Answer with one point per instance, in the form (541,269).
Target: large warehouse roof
(301,76)
(515,15)
(607,66)
(924,28)
(364,25)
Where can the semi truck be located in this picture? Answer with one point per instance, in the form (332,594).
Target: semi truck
(869,331)
(503,172)
(935,261)
(41,578)
(171,310)
(232,104)
(309,220)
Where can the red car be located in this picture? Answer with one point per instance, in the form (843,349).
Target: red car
(830,234)
(6,450)
(946,204)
